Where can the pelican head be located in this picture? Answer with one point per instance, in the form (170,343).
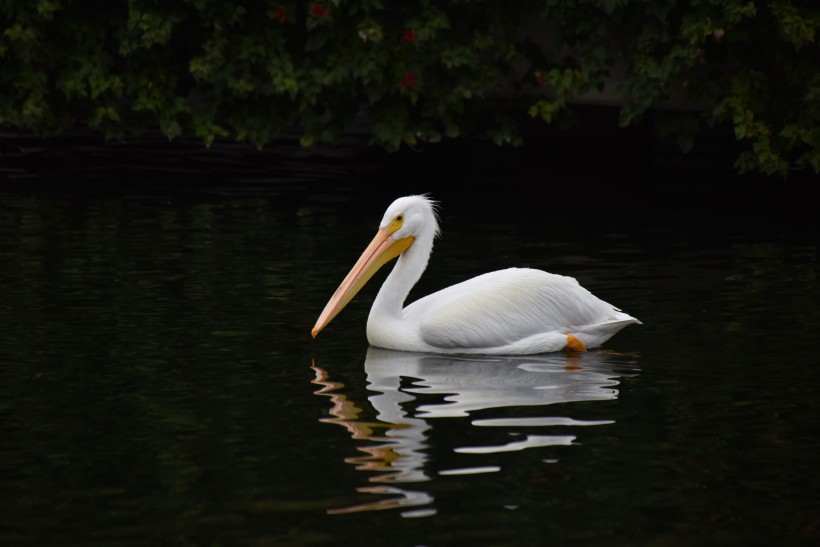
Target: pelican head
(418,214)
(409,223)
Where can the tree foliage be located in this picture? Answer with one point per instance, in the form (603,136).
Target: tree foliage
(424,70)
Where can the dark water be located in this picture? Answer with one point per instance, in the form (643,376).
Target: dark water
(159,385)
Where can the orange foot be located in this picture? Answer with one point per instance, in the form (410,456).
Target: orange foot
(574,344)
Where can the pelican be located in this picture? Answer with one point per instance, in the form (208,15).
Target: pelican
(517,311)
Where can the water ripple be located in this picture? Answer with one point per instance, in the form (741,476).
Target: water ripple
(395,446)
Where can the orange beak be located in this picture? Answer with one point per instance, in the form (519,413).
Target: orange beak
(381,250)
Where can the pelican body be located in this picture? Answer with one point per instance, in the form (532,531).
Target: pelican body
(517,311)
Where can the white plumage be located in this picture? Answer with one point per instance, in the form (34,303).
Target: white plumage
(516,311)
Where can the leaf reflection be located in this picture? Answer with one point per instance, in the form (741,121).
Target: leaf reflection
(465,385)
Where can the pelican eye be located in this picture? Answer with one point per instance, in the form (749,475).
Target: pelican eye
(396,223)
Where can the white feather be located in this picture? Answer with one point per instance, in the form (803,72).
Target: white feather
(515,311)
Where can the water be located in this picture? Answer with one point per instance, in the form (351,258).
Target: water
(159,385)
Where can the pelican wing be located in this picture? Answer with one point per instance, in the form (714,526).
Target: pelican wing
(502,307)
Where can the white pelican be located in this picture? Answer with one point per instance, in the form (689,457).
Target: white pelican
(517,311)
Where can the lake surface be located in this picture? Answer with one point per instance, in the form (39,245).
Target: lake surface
(159,385)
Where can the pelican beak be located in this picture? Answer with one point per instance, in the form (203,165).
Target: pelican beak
(381,250)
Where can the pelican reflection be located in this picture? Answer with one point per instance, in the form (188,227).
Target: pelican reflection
(411,390)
